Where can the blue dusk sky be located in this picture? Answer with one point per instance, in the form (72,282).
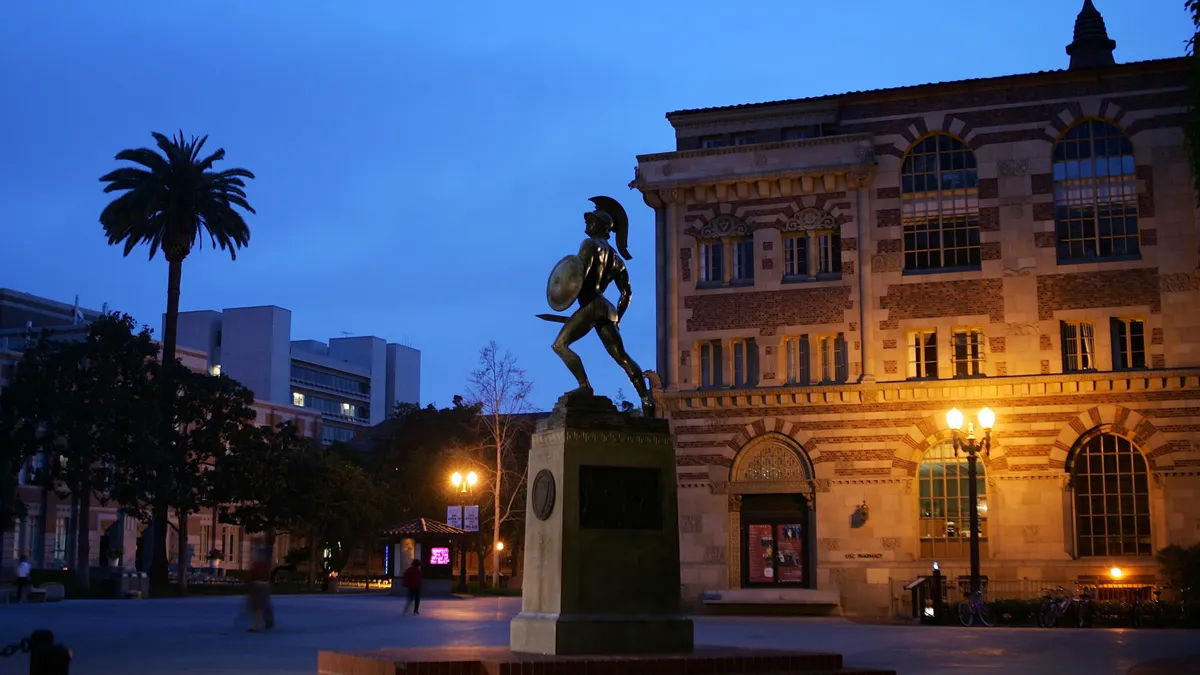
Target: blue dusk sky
(422,165)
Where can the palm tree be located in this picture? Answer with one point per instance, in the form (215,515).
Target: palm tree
(169,202)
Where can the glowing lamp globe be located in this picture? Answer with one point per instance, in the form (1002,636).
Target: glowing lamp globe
(472,478)
(456,479)
(987,418)
(954,419)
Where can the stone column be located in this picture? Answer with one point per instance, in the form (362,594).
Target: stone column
(727,264)
(735,541)
(670,374)
(662,289)
(866,296)
(812,251)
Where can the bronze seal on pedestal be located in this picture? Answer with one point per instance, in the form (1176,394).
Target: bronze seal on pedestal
(543,494)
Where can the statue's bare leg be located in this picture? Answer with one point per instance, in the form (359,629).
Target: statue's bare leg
(610,335)
(579,325)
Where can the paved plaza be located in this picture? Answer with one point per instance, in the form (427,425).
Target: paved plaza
(197,636)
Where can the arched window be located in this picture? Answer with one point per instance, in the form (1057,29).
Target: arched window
(726,250)
(945,513)
(1112,498)
(939,186)
(1095,193)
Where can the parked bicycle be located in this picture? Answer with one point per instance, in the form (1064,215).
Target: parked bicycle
(1142,608)
(974,608)
(1059,602)
(1163,614)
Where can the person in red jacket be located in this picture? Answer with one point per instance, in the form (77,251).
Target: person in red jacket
(259,596)
(412,581)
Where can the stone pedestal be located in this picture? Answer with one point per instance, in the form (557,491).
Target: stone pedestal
(601,536)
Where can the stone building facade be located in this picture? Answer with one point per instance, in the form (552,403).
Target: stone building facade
(836,273)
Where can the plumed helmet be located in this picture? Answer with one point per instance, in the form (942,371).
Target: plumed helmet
(620,221)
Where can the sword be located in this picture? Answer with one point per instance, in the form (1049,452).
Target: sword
(552,318)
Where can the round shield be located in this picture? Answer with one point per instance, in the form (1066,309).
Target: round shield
(566,279)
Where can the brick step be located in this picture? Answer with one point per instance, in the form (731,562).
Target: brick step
(500,661)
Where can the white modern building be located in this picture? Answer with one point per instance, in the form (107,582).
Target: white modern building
(354,382)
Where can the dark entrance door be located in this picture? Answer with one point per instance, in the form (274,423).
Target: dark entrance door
(777,542)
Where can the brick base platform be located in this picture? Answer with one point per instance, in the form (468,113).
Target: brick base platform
(501,661)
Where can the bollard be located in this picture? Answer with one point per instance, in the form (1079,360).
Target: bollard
(46,657)
(936,590)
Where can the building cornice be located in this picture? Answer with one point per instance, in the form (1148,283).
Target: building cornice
(989,389)
(722,113)
(755,148)
(760,171)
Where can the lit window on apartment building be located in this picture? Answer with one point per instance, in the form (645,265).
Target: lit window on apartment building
(795,359)
(297,399)
(922,355)
(968,352)
(1129,343)
(1078,346)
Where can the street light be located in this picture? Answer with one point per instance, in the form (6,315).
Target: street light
(972,446)
(464,485)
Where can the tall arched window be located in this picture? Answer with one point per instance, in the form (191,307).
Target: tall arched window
(1095,193)
(945,513)
(939,186)
(1112,498)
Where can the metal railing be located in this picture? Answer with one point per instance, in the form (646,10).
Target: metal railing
(955,589)
(46,657)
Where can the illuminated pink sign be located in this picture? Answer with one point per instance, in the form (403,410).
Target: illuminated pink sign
(439,556)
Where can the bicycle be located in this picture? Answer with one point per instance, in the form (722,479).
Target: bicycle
(1139,614)
(971,608)
(1055,605)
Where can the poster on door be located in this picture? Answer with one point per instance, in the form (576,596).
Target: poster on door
(471,518)
(790,545)
(761,541)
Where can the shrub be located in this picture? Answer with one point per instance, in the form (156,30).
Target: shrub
(1181,566)
(1016,612)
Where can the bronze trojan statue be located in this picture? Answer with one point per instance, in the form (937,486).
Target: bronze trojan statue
(584,277)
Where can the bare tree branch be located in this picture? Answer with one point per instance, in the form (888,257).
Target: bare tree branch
(502,393)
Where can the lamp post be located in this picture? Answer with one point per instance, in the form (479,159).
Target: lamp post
(972,446)
(464,485)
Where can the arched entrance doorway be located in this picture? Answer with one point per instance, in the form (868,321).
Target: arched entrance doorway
(772,516)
